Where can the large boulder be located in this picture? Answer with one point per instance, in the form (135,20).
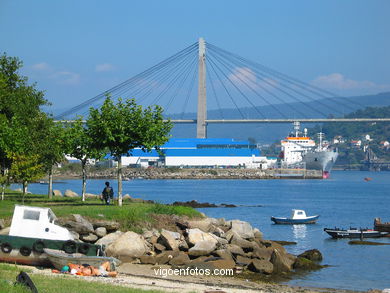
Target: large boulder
(101,232)
(70,193)
(204,247)
(166,256)
(302,263)
(244,244)
(109,225)
(2,224)
(128,245)
(109,238)
(263,253)
(242,260)
(282,262)
(261,266)
(91,238)
(222,263)
(312,254)
(57,192)
(204,224)
(148,259)
(78,224)
(179,260)
(235,250)
(243,229)
(169,239)
(223,253)
(91,195)
(5,231)
(196,235)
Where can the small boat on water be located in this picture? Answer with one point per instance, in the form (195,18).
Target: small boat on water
(297,217)
(59,259)
(382,227)
(354,233)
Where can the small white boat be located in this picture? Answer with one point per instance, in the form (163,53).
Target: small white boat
(297,217)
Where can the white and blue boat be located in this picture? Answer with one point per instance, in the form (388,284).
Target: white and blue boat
(297,217)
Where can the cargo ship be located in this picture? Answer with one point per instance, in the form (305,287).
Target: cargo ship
(299,150)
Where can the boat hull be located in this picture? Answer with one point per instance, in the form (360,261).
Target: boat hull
(322,160)
(289,221)
(337,233)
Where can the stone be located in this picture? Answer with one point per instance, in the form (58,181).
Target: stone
(101,232)
(257,233)
(128,245)
(204,247)
(148,259)
(126,197)
(243,229)
(203,225)
(223,253)
(109,238)
(312,254)
(91,238)
(179,260)
(222,263)
(5,231)
(91,195)
(217,231)
(282,263)
(169,239)
(2,224)
(182,225)
(235,250)
(262,253)
(242,260)
(57,192)
(159,247)
(220,240)
(196,235)
(302,263)
(166,256)
(261,266)
(244,244)
(183,246)
(70,193)
(75,235)
(79,225)
(110,226)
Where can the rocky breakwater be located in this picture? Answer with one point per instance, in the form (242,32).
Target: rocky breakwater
(206,244)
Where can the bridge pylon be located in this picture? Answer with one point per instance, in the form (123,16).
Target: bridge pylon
(201,125)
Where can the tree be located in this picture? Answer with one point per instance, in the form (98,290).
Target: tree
(122,127)
(80,145)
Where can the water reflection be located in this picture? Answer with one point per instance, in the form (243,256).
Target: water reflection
(299,231)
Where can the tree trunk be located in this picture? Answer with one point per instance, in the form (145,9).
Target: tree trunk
(84,168)
(24,190)
(50,187)
(2,191)
(120,181)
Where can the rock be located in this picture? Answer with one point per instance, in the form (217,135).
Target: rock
(196,235)
(110,238)
(182,225)
(75,235)
(204,247)
(222,263)
(220,240)
(79,225)
(101,232)
(194,204)
(262,253)
(302,263)
(242,260)
(235,250)
(284,243)
(91,238)
(5,231)
(169,239)
(217,231)
(166,256)
(128,245)
(183,246)
(2,224)
(148,259)
(244,244)
(159,247)
(203,225)
(261,266)
(70,193)
(179,260)
(57,192)
(243,229)
(312,254)
(91,195)
(126,197)
(110,226)
(257,233)
(282,263)
(223,253)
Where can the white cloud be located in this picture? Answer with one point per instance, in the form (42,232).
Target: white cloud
(340,82)
(104,67)
(41,66)
(66,77)
(243,75)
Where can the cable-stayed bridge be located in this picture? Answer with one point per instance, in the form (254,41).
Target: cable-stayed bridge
(230,89)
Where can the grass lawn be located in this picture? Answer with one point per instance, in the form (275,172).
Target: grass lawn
(131,216)
(57,284)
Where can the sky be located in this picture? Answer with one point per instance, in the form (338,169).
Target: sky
(75,50)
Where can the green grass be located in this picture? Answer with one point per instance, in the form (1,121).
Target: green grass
(58,283)
(131,216)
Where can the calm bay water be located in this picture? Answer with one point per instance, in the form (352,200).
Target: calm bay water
(343,200)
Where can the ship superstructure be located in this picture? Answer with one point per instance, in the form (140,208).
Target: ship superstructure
(300,150)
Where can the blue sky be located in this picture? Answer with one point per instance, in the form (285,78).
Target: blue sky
(75,50)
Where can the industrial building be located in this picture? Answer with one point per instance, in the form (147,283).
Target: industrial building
(200,152)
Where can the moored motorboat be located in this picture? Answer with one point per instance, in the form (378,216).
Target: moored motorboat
(297,217)
(354,233)
(60,259)
(382,227)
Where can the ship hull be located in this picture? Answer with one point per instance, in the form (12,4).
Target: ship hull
(320,160)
